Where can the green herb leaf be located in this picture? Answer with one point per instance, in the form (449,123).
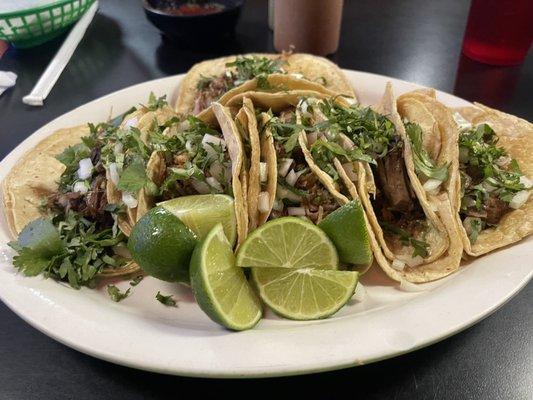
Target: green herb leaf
(247,68)
(133,178)
(423,163)
(420,247)
(135,281)
(166,300)
(115,293)
(155,103)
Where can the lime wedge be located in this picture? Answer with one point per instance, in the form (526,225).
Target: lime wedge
(219,287)
(346,228)
(202,212)
(288,242)
(162,245)
(305,293)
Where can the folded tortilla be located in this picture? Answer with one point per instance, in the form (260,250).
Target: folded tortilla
(515,135)
(303,72)
(35,177)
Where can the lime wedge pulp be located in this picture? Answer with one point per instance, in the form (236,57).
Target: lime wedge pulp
(346,227)
(219,287)
(202,212)
(305,294)
(288,242)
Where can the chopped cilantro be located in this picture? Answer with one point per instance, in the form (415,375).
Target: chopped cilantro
(115,293)
(166,300)
(423,164)
(135,281)
(420,248)
(133,178)
(247,68)
(482,175)
(155,103)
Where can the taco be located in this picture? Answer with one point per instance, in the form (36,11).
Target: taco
(222,78)
(346,146)
(496,169)
(283,177)
(94,182)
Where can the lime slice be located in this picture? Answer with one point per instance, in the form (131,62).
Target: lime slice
(202,212)
(288,242)
(162,245)
(219,287)
(305,294)
(346,228)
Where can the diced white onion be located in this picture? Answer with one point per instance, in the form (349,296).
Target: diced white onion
(292,177)
(488,187)
(132,122)
(188,146)
(278,205)
(432,186)
(350,171)
(413,261)
(113,173)
(284,193)
(360,293)
(80,187)
(118,148)
(129,200)
(216,169)
(503,161)
(296,211)
(296,75)
(350,100)
(284,166)
(519,199)
(200,187)
(312,137)
(263,172)
(407,286)
(398,264)
(85,169)
(524,180)
(461,122)
(211,181)
(208,139)
(262,205)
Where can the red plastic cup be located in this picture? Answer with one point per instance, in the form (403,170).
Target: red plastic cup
(499,32)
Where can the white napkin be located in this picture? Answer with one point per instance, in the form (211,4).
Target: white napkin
(7,79)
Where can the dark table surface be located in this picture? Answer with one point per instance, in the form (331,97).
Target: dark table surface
(416,40)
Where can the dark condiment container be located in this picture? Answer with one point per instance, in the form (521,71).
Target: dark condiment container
(194,29)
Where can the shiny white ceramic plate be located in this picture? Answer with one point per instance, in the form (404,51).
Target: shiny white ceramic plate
(142,333)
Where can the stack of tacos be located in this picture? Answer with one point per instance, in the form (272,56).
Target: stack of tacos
(285,135)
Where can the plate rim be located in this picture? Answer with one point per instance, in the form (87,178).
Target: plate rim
(321,365)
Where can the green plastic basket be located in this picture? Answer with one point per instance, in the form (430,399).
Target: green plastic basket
(33,26)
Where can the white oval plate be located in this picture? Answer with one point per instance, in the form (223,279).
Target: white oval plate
(142,333)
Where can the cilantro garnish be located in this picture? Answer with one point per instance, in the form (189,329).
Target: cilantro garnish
(135,281)
(247,68)
(423,163)
(476,225)
(155,103)
(372,133)
(115,293)
(420,248)
(482,174)
(133,178)
(67,248)
(166,300)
